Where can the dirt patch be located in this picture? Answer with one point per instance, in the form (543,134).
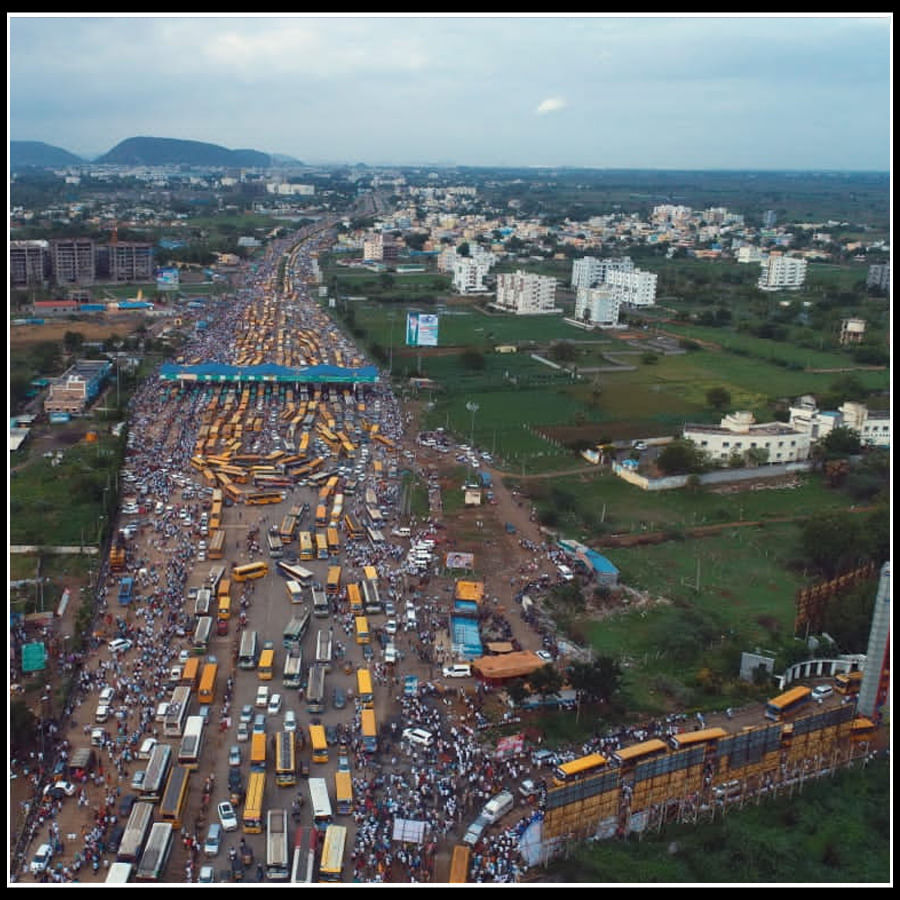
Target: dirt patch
(93,330)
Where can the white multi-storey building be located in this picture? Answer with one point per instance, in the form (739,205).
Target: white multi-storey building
(373,247)
(598,306)
(589,271)
(873,428)
(635,288)
(782,273)
(526,293)
(749,253)
(469,275)
(739,433)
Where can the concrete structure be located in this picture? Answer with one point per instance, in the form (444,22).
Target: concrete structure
(73,261)
(49,308)
(77,388)
(739,433)
(879,276)
(589,271)
(782,273)
(130,261)
(853,331)
(373,247)
(749,254)
(873,428)
(29,263)
(598,306)
(526,294)
(874,692)
(636,288)
(469,275)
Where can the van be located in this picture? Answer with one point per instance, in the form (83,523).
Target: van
(102,713)
(474,831)
(418,736)
(498,806)
(565,573)
(457,670)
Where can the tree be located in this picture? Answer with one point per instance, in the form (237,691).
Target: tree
(833,543)
(681,457)
(473,359)
(517,691)
(463,249)
(841,441)
(596,681)
(718,398)
(546,681)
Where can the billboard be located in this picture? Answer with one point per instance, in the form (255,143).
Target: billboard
(421,330)
(167,279)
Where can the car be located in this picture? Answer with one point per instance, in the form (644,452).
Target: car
(545,655)
(543,758)
(161,711)
(204,711)
(528,788)
(246,713)
(146,748)
(275,703)
(40,862)
(390,626)
(457,670)
(821,691)
(343,763)
(125,805)
(119,645)
(390,610)
(290,721)
(227,816)
(60,789)
(262,696)
(137,780)
(418,736)
(259,724)
(331,734)
(340,698)
(175,675)
(391,655)
(107,695)
(243,732)
(234,755)
(474,832)
(368,652)
(638,445)
(184,656)
(213,840)
(207,875)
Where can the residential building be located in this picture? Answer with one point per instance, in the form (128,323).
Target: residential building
(749,254)
(599,306)
(129,261)
(738,433)
(853,331)
(373,247)
(73,261)
(29,263)
(636,288)
(782,273)
(872,426)
(74,391)
(879,276)
(469,275)
(589,271)
(526,293)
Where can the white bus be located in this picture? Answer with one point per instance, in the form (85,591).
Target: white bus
(248,655)
(315,690)
(137,829)
(202,632)
(119,873)
(371,599)
(275,546)
(296,629)
(177,713)
(293,670)
(320,603)
(295,591)
(376,538)
(191,742)
(153,862)
(278,860)
(321,803)
(303,870)
(203,603)
(323,649)
(295,573)
(157,773)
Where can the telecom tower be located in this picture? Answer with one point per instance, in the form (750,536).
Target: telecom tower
(875,688)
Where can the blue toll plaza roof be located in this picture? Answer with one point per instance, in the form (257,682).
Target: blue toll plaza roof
(268,372)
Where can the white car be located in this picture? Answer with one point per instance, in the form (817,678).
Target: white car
(275,704)
(227,816)
(243,732)
(119,645)
(290,721)
(40,862)
(107,695)
(234,755)
(207,875)
(262,696)
(821,691)
(390,627)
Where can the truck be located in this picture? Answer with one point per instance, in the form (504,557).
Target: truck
(126,590)
(116,557)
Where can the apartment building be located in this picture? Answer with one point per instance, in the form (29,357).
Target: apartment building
(879,276)
(782,273)
(469,275)
(738,433)
(73,261)
(526,293)
(128,261)
(589,271)
(598,306)
(636,288)
(373,247)
(29,263)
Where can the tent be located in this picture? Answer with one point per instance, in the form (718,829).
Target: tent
(409,831)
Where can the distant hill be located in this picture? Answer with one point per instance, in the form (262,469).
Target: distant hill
(23,154)
(151,151)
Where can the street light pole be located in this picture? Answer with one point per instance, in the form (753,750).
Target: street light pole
(472,407)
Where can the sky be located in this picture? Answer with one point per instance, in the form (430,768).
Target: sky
(677,92)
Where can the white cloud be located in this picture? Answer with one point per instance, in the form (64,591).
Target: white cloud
(551,104)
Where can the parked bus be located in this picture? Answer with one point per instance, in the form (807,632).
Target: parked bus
(216,574)
(371,600)
(248,655)
(303,868)
(788,703)
(352,527)
(321,516)
(295,591)
(177,713)
(258,744)
(287,529)
(320,603)
(318,743)
(343,793)
(155,857)
(191,743)
(320,802)
(223,592)
(578,769)
(137,830)
(362,629)
(370,573)
(302,576)
(285,759)
(862,729)
(275,546)
(628,757)
(315,690)
(376,538)
(848,683)
(364,688)
(266,668)
(707,737)
(278,859)
(207,692)
(190,673)
(173,805)
(292,676)
(323,649)
(157,773)
(321,545)
(261,498)
(202,631)
(224,611)
(234,493)
(355,598)
(119,873)
(333,581)
(459,864)
(369,730)
(216,548)
(252,816)
(250,571)
(334,541)
(203,603)
(307,552)
(331,865)
(296,629)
